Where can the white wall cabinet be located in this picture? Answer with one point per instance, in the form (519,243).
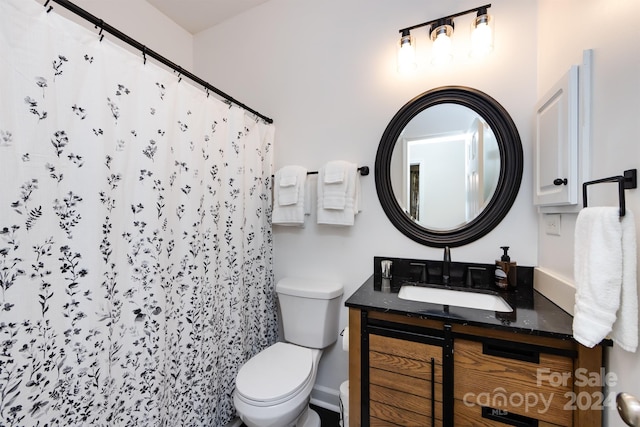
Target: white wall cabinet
(562,141)
(556,143)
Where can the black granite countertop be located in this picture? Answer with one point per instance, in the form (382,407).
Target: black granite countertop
(532,312)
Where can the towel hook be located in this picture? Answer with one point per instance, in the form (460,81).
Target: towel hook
(627,181)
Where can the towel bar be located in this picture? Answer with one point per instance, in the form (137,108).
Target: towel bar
(627,181)
(364,171)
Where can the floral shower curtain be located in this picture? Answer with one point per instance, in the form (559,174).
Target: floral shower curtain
(135,237)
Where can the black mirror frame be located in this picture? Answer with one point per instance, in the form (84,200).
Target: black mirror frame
(511,163)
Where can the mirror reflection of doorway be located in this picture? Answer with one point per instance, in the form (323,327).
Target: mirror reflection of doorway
(440,193)
(414,191)
(449,178)
(445,167)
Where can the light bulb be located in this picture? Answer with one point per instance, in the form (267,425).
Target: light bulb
(441,51)
(481,36)
(406,53)
(441,36)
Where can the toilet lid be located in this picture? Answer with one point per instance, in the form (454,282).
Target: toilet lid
(275,373)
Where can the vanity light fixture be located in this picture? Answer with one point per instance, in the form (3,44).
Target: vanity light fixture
(441,32)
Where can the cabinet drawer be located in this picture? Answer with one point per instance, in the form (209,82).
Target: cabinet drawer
(518,386)
(466,415)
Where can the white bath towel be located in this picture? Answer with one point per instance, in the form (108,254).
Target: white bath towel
(289,195)
(605,274)
(338,202)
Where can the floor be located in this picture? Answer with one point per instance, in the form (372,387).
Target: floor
(327,418)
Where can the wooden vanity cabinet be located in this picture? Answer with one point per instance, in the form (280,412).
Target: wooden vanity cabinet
(406,371)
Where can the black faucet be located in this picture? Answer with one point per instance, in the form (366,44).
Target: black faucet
(446,265)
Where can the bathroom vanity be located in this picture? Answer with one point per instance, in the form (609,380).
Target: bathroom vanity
(416,363)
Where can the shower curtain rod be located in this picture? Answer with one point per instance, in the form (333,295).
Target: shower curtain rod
(99,23)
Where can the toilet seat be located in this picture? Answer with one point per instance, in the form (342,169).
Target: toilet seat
(275,374)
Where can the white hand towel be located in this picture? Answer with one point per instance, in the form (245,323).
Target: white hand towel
(605,264)
(625,329)
(330,209)
(334,171)
(287,179)
(334,185)
(285,212)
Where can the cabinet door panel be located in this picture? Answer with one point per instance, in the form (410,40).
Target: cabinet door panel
(404,376)
(556,143)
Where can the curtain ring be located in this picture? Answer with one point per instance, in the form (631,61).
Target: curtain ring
(144,55)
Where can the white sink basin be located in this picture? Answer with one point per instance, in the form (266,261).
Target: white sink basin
(454,298)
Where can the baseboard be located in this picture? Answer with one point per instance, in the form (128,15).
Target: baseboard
(558,289)
(326,398)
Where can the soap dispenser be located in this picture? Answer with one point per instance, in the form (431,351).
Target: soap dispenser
(505,274)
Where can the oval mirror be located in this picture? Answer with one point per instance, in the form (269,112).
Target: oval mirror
(449,166)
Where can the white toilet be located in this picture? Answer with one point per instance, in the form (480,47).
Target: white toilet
(273,388)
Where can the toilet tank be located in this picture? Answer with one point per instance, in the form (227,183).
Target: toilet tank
(310,310)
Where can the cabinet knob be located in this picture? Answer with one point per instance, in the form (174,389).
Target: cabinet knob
(560,181)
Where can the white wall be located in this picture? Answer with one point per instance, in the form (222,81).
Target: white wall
(325,71)
(140,21)
(611,29)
